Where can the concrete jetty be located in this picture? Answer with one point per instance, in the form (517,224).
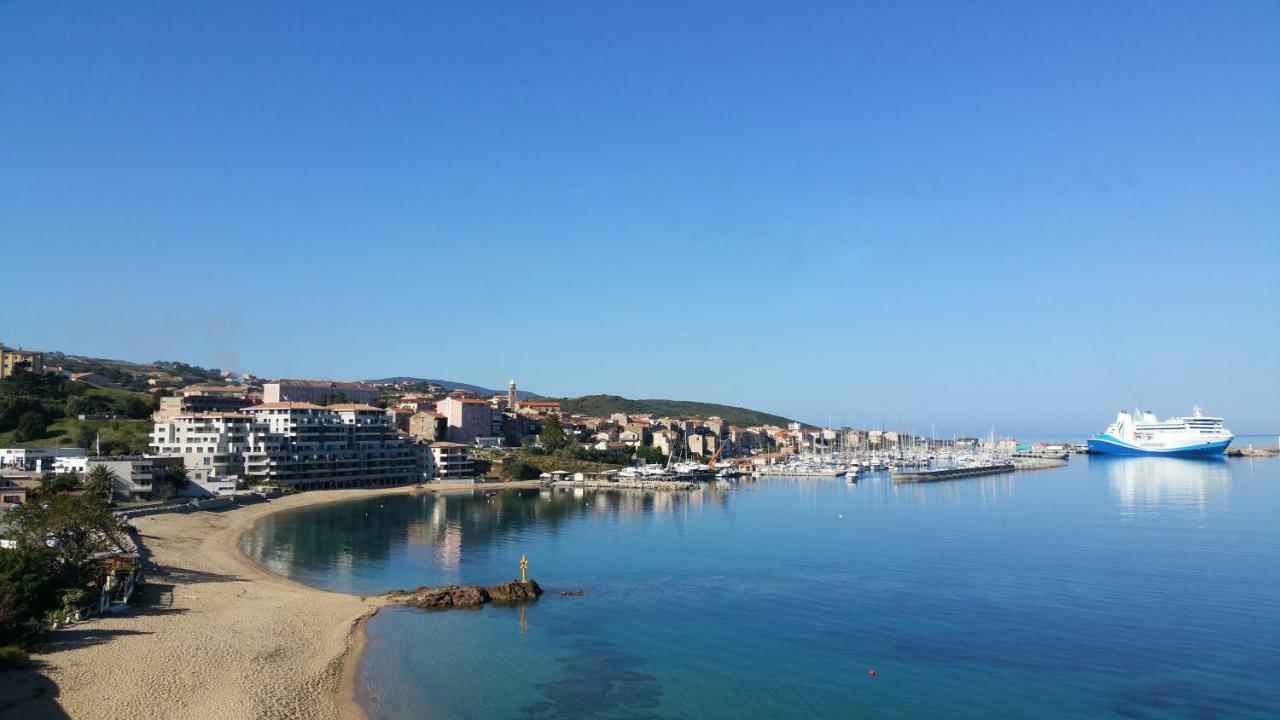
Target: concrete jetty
(1038,463)
(1251,451)
(952,473)
(628,484)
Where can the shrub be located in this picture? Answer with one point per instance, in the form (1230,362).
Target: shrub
(13,657)
(31,426)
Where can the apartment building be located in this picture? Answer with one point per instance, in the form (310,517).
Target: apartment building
(303,445)
(311,447)
(466,418)
(10,359)
(320,392)
(211,445)
(450,460)
(204,399)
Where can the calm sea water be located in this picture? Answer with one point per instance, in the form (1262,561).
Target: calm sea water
(1115,587)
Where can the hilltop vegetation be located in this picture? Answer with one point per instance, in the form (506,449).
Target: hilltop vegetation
(43,409)
(606,405)
(134,376)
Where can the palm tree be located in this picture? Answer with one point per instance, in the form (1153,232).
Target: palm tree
(175,478)
(100,481)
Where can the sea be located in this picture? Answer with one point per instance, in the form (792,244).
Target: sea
(1111,588)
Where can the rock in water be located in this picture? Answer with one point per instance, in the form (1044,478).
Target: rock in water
(469,596)
(466,596)
(514,591)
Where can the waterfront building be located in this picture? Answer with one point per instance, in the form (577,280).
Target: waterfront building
(716,425)
(211,445)
(311,447)
(302,445)
(11,359)
(466,418)
(665,440)
(641,433)
(320,392)
(136,476)
(450,460)
(702,443)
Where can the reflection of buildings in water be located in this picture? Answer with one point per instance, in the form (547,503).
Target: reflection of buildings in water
(439,529)
(1170,484)
(343,564)
(449,546)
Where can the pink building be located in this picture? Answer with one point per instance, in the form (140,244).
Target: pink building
(467,419)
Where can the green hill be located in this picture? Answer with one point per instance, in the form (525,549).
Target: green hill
(43,410)
(606,405)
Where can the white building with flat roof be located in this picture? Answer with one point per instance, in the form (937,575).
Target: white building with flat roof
(35,459)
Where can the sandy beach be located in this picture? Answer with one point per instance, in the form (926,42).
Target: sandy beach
(221,637)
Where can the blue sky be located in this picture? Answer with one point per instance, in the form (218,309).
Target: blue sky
(1025,215)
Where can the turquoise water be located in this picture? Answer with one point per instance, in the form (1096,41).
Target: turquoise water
(1115,587)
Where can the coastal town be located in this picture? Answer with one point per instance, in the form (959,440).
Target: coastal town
(242,434)
(639,361)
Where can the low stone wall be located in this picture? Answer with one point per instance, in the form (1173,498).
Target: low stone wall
(186,507)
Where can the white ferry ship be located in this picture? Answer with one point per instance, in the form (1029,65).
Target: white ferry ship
(1142,434)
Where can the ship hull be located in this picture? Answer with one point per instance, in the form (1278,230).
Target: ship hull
(1107,445)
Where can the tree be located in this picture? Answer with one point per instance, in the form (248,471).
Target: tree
(100,481)
(74,527)
(175,479)
(520,469)
(552,436)
(31,426)
(29,582)
(60,483)
(137,408)
(85,434)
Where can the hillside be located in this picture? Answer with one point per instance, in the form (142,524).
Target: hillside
(43,410)
(134,375)
(605,405)
(448,385)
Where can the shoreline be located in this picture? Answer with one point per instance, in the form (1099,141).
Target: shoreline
(221,636)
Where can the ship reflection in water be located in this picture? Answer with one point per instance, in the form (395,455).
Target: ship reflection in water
(1163,485)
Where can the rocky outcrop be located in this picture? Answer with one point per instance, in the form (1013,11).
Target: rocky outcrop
(514,592)
(466,596)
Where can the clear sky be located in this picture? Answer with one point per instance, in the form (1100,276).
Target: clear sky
(1021,214)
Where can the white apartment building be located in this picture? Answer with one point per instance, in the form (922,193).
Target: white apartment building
(211,445)
(307,446)
(450,460)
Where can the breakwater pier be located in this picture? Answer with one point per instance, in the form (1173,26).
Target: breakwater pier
(951,473)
